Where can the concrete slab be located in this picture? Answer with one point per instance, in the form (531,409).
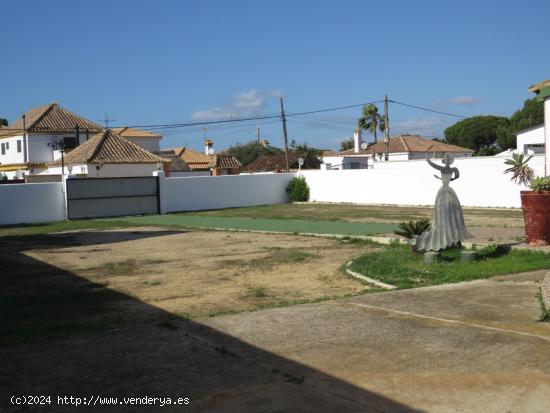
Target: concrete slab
(465,347)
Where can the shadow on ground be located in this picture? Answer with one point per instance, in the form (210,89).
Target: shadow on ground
(62,335)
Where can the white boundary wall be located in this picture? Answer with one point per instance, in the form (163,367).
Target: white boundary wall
(227,191)
(32,203)
(482,183)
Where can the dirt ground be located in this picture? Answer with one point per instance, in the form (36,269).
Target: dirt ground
(487,225)
(201,273)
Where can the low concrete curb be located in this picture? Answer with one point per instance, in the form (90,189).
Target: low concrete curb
(367,279)
(545,290)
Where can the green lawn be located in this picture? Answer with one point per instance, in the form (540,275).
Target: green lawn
(397,265)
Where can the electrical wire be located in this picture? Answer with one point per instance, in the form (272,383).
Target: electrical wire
(427,109)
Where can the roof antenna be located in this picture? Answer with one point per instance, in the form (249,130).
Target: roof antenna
(106,120)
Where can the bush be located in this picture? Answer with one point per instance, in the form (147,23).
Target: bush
(298,190)
(540,183)
(412,229)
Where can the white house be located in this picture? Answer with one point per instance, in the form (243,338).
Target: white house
(146,139)
(529,141)
(36,138)
(542,90)
(107,155)
(400,148)
(355,158)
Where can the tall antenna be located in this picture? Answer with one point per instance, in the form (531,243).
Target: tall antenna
(106,120)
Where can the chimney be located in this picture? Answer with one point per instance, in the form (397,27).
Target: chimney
(208,147)
(357,141)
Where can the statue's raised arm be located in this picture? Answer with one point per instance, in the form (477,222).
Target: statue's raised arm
(434,165)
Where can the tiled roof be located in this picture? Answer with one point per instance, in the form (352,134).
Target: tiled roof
(538,86)
(51,118)
(198,161)
(127,132)
(407,144)
(276,162)
(176,163)
(225,162)
(107,147)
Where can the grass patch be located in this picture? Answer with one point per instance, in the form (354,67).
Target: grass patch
(545,312)
(397,265)
(295,256)
(318,212)
(48,228)
(346,212)
(257,292)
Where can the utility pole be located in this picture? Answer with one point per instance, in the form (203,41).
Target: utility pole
(258,134)
(386,129)
(283,118)
(25,154)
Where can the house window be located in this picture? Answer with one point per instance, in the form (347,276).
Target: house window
(7,146)
(18,146)
(69,143)
(3,148)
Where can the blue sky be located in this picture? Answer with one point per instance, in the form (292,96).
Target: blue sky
(162,62)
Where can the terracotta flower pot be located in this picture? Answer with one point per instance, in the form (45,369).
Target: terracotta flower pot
(536,213)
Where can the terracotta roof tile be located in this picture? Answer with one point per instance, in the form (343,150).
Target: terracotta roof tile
(226,162)
(108,147)
(407,144)
(51,118)
(128,132)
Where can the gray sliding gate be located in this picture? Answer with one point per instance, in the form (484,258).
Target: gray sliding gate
(110,197)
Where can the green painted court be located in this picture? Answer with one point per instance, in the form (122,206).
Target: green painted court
(261,224)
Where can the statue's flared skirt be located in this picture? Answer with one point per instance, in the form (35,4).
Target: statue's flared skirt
(448,226)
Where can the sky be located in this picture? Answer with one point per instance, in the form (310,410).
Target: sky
(147,63)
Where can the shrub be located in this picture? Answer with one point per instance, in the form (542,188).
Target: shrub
(298,189)
(412,229)
(540,183)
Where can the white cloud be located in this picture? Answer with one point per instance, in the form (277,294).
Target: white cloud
(426,127)
(464,101)
(243,105)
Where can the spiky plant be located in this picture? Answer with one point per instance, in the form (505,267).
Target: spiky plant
(521,172)
(412,229)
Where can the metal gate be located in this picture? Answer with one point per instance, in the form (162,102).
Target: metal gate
(111,197)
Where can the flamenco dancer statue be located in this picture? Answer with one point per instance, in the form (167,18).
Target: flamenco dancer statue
(448,227)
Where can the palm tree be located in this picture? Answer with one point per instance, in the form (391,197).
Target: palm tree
(371,120)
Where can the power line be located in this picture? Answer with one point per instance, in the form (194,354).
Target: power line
(428,110)
(331,109)
(186,125)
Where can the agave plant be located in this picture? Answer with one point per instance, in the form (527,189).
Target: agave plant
(521,172)
(412,229)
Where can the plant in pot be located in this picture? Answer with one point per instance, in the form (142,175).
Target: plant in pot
(535,203)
